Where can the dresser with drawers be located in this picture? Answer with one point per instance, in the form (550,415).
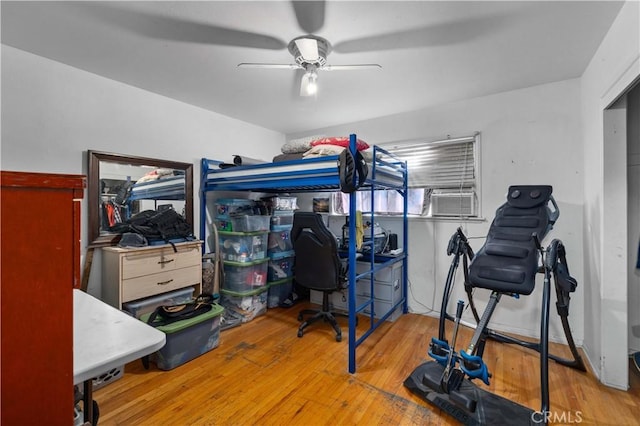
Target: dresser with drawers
(39,267)
(134,273)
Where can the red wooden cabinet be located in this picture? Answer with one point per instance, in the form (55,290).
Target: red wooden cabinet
(40,252)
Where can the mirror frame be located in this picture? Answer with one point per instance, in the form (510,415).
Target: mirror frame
(94,158)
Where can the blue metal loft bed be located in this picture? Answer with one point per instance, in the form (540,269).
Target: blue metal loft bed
(386,172)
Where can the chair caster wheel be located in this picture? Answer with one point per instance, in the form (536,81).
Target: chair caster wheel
(339,338)
(299,333)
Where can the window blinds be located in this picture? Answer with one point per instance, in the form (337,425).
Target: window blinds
(444,164)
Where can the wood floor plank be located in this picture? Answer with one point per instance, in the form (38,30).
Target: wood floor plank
(262,373)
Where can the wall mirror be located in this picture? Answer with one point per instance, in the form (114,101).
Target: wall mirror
(122,185)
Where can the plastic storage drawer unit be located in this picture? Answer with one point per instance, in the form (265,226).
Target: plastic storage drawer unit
(137,308)
(280,266)
(243,277)
(243,246)
(188,339)
(279,241)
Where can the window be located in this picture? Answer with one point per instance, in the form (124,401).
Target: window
(442,180)
(386,202)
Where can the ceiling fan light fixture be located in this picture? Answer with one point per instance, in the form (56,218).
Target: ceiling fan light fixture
(309,84)
(310,54)
(310,49)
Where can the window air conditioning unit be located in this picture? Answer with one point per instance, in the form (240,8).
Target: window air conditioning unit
(453,204)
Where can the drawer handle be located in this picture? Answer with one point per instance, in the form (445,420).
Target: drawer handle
(165,261)
(165,282)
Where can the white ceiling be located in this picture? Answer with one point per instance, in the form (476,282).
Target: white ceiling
(431,52)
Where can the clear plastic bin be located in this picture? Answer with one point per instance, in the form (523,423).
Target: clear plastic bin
(245,277)
(139,307)
(281,218)
(243,246)
(223,223)
(228,206)
(279,241)
(250,223)
(108,377)
(282,202)
(188,339)
(281,266)
(248,305)
(279,291)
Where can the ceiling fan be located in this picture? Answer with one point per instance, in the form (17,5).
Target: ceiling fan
(310,53)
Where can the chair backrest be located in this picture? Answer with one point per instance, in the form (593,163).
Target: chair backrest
(317,263)
(508,261)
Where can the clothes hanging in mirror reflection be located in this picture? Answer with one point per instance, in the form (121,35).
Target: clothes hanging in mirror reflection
(111,214)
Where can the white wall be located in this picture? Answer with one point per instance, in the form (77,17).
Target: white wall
(52,114)
(528,136)
(633,194)
(613,68)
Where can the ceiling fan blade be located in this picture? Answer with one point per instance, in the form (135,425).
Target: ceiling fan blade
(350,67)
(310,15)
(162,27)
(443,34)
(272,66)
(308,48)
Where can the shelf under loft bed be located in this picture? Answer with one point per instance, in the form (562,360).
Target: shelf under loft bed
(321,174)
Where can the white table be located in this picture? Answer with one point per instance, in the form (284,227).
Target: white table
(105,338)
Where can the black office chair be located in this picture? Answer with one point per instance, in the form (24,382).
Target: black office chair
(317,266)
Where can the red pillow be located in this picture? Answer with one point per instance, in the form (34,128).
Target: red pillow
(340,141)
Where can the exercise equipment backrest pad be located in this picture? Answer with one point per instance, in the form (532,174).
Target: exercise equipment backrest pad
(508,261)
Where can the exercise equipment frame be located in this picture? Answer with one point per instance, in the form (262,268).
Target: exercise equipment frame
(457,395)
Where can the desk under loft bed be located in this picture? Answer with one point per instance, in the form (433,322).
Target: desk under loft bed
(386,172)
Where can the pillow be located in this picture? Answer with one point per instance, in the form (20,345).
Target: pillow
(342,141)
(298,146)
(320,150)
(368,155)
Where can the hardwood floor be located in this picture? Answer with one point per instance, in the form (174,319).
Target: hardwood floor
(262,373)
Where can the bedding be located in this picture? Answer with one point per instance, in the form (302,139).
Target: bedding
(155,174)
(342,141)
(318,146)
(287,157)
(323,150)
(300,145)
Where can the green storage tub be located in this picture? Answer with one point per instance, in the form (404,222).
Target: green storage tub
(188,339)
